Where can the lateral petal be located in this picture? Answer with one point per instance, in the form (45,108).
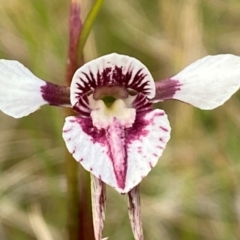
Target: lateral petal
(22,93)
(206,83)
(120,157)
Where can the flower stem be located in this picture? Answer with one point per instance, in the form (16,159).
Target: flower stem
(79,222)
(75,29)
(71,166)
(87,26)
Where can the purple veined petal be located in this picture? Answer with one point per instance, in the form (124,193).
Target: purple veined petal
(206,83)
(98,193)
(134,212)
(112,70)
(22,93)
(120,157)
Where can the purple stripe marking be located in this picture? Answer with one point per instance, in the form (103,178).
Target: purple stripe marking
(113,76)
(164,129)
(167,88)
(56,95)
(150,165)
(126,137)
(67,130)
(120,171)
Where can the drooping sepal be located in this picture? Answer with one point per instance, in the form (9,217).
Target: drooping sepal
(22,93)
(206,83)
(119,155)
(110,71)
(98,192)
(134,212)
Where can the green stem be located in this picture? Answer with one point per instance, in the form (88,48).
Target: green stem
(71,166)
(87,26)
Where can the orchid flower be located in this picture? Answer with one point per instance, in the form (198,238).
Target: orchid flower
(117,134)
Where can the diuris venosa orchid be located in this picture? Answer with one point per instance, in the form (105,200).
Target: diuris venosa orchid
(117,135)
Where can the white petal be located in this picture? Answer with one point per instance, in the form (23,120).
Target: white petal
(20,90)
(112,70)
(206,83)
(119,157)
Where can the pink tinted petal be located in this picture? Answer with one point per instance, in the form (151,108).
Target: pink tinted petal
(134,212)
(22,93)
(98,190)
(206,83)
(112,70)
(120,157)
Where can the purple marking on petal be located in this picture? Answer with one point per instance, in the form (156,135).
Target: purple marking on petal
(118,138)
(67,130)
(138,129)
(141,103)
(112,70)
(114,138)
(164,129)
(82,106)
(113,76)
(56,95)
(150,164)
(119,154)
(160,114)
(89,129)
(72,121)
(166,89)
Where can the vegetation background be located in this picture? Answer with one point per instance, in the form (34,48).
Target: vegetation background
(194,192)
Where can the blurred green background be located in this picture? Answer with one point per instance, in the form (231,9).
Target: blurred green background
(194,192)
